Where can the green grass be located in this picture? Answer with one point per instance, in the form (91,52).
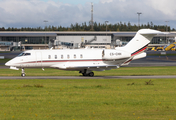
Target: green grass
(5,51)
(90,99)
(4,60)
(123,71)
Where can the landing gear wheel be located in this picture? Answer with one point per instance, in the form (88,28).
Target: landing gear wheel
(84,74)
(91,74)
(23,74)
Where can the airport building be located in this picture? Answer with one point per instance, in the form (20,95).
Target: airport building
(11,41)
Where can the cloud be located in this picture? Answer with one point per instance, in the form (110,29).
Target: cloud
(106,1)
(32,13)
(126,11)
(165,6)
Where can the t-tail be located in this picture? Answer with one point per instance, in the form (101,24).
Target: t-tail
(139,44)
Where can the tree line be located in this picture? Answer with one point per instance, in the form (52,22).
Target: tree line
(96,27)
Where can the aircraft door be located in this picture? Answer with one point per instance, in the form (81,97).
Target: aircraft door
(38,58)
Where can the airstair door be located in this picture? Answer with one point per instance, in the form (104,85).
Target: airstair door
(38,58)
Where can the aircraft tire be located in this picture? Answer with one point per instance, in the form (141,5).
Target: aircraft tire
(23,74)
(91,74)
(84,74)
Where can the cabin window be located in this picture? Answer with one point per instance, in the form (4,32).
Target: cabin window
(68,56)
(49,56)
(55,56)
(62,56)
(81,56)
(74,56)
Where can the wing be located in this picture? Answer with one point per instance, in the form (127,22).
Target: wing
(68,66)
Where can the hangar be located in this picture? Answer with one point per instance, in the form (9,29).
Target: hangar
(19,40)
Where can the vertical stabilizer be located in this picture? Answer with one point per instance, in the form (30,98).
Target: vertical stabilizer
(140,41)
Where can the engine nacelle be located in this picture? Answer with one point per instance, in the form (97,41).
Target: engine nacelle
(115,54)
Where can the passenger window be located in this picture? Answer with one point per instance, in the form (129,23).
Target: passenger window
(49,56)
(74,56)
(55,56)
(68,56)
(81,56)
(62,56)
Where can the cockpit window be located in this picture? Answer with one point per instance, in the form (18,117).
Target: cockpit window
(27,54)
(24,54)
(21,54)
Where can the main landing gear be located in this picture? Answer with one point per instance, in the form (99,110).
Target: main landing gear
(91,74)
(23,72)
(87,73)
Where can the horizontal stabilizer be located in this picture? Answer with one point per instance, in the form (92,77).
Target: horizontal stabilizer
(150,32)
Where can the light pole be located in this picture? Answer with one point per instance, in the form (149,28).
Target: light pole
(106,28)
(91,16)
(139,19)
(166,25)
(45,31)
(166,31)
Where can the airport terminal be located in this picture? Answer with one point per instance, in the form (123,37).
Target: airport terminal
(20,41)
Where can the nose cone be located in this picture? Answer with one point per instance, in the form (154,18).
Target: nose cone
(8,63)
(13,62)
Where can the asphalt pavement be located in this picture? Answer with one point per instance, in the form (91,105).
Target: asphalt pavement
(83,77)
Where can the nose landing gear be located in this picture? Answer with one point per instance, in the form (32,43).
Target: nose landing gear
(23,72)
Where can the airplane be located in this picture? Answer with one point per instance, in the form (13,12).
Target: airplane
(85,60)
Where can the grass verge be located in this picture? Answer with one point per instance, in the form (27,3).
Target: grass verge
(3,61)
(104,99)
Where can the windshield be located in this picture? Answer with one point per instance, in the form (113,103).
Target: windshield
(24,54)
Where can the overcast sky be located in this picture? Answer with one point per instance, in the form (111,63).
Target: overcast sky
(32,13)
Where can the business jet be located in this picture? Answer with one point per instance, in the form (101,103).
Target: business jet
(85,60)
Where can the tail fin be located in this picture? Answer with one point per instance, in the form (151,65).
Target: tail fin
(140,41)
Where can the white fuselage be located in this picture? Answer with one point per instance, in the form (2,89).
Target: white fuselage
(70,59)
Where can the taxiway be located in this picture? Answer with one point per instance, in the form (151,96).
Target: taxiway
(82,77)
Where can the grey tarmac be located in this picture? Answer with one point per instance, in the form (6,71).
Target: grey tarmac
(82,77)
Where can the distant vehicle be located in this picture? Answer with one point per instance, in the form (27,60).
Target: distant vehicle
(157,48)
(170,47)
(85,60)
